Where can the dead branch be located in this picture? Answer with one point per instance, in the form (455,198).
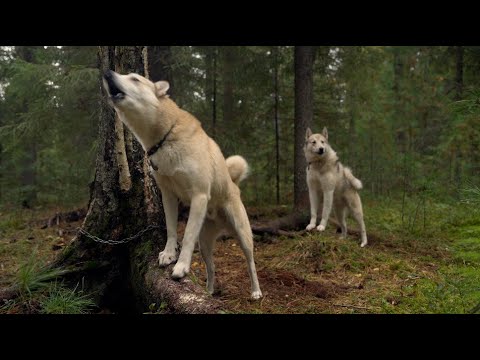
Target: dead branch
(183,296)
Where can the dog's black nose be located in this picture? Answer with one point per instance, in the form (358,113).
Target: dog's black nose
(321,151)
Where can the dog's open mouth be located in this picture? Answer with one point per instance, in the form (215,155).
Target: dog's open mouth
(115,93)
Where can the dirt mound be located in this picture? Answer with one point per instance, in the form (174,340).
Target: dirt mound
(281,282)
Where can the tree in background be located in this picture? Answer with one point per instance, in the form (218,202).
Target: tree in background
(229,57)
(49,106)
(277,134)
(159,64)
(304,59)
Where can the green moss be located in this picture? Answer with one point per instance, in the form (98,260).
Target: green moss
(141,255)
(457,288)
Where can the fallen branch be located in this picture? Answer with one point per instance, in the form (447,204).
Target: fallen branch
(282,226)
(354,306)
(291,225)
(70,216)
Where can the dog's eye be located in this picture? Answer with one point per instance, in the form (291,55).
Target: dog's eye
(135,79)
(323,142)
(314,142)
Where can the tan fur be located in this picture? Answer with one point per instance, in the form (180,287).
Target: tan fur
(190,167)
(331,183)
(238,168)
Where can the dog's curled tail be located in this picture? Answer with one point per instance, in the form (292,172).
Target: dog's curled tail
(237,168)
(357,184)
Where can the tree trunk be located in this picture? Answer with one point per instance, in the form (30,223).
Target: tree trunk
(211,84)
(277,137)
(398,73)
(159,65)
(304,58)
(126,277)
(458,96)
(214,101)
(28,174)
(228,64)
(459,72)
(350,157)
(26,53)
(1,150)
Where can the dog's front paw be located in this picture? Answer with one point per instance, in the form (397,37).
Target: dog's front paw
(167,257)
(363,244)
(310,227)
(180,270)
(256,295)
(321,228)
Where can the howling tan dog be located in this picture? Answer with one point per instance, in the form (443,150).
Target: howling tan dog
(187,166)
(326,175)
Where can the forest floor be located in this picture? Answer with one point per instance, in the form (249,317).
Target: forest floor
(426,263)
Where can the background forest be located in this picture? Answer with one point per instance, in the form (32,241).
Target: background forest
(404,118)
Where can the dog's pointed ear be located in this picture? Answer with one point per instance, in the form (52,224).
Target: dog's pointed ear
(161,88)
(308,133)
(325,133)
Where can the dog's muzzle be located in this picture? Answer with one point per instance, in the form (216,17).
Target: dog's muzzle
(115,93)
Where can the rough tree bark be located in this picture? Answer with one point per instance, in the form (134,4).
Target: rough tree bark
(126,277)
(304,59)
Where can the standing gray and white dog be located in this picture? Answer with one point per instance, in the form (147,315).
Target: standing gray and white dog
(326,175)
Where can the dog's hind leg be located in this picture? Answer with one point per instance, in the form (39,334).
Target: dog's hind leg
(357,213)
(358,216)
(198,210)
(170,206)
(238,222)
(208,235)
(340,214)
